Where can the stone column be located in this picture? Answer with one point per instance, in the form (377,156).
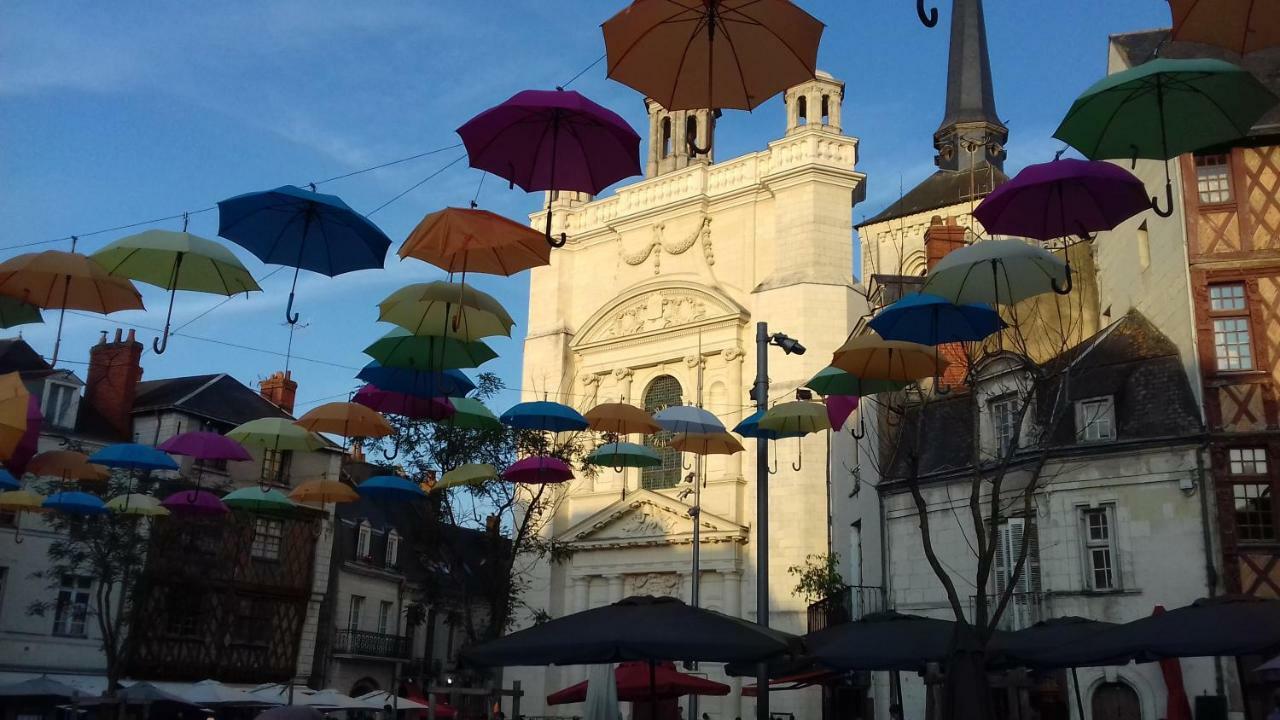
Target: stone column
(731,582)
(834,122)
(581,593)
(733,357)
(615,588)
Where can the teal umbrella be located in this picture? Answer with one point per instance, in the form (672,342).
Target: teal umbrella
(255,499)
(834,381)
(402,349)
(624,454)
(1163,108)
(14,312)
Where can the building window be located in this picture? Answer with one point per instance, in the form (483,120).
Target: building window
(1023,609)
(1144,246)
(267,537)
(826,109)
(393,549)
(1247,461)
(1096,529)
(73,606)
(1096,420)
(275,466)
(364,541)
(384,617)
(1004,422)
(1231,343)
(802,110)
(691,129)
(59,405)
(1254,521)
(1213,178)
(1226,297)
(252,625)
(353,612)
(663,391)
(666,137)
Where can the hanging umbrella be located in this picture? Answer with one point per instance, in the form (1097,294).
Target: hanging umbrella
(194,503)
(275,434)
(632,680)
(65,281)
(323,492)
(138,504)
(205,446)
(621,419)
(410,406)
(1241,26)
(552,140)
(1063,198)
(717,443)
(545,416)
(1002,272)
(80,504)
(687,419)
(176,261)
(15,402)
(304,230)
(348,419)
(601,694)
(259,500)
(446,309)
(538,470)
(18,459)
(927,319)
(131,456)
(1162,109)
(624,455)
(839,408)
(8,481)
(796,417)
(390,488)
(731,54)
(66,465)
(14,312)
(18,502)
(874,358)
(466,474)
(750,427)
(420,383)
(463,241)
(402,349)
(471,414)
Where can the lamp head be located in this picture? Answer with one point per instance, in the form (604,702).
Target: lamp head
(789,345)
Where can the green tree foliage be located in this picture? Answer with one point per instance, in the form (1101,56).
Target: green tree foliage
(818,577)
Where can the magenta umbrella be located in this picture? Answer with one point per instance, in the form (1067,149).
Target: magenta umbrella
(552,140)
(538,470)
(195,503)
(1062,198)
(839,408)
(206,446)
(27,444)
(410,406)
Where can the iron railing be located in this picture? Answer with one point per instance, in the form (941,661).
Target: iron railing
(851,603)
(371,644)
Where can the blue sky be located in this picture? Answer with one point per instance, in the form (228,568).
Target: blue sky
(112,113)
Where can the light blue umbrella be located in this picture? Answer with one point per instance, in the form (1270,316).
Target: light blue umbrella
(74,502)
(932,320)
(389,488)
(544,415)
(133,456)
(419,383)
(688,419)
(8,481)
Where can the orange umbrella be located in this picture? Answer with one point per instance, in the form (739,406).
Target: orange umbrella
(66,464)
(871,357)
(719,443)
(66,280)
(14,399)
(1242,26)
(621,419)
(460,241)
(347,419)
(323,491)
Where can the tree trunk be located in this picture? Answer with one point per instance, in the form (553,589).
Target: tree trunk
(966,690)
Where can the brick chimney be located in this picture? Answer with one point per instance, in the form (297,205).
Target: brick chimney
(943,236)
(280,388)
(115,369)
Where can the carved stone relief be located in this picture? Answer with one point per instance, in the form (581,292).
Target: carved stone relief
(655,311)
(659,244)
(653,584)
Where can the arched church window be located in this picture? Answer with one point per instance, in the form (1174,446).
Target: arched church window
(826,109)
(802,109)
(1116,700)
(691,129)
(663,391)
(666,137)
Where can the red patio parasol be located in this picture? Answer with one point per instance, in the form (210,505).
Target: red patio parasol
(633,685)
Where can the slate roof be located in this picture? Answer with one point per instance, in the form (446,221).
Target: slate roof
(220,398)
(942,189)
(17,356)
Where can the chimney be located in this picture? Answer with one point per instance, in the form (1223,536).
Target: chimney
(493,524)
(115,369)
(280,389)
(941,238)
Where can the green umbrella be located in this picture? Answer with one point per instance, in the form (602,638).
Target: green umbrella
(467,474)
(471,414)
(834,381)
(176,261)
(402,349)
(254,499)
(14,312)
(446,309)
(624,454)
(275,434)
(1163,108)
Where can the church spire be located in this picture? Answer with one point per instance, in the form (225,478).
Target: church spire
(971,133)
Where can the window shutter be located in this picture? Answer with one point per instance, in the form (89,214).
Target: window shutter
(1002,555)
(1017,534)
(1031,570)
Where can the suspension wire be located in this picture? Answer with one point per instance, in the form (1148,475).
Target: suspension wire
(582,72)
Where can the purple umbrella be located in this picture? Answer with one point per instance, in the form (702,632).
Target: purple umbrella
(26,449)
(552,140)
(1063,198)
(195,503)
(839,408)
(538,470)
(205,446)
(410,406)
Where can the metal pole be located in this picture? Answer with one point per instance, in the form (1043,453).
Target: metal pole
(760,391)
(695,589)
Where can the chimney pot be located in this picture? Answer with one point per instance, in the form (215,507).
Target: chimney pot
(102,339)
(280,389)
(118,334)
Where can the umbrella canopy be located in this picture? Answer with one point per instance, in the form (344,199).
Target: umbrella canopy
(1242,26)
(621,419)
(1063,198)
(17,460)
(796,417)
(205,446)
(21,500)
(927,319)
(687,419)
(67,465)
(330,698)
(624,454)
(132,456)
(40,687)
(76,503)
(382,698)
(632,679)
(304,230)
(14,312)
(410,406)
(140,693)
(194,503)
(997,271)
(471,414)
(401,348)
(8,481)
(538,470)
(750,427)
(275,434)
(883,641)
(289,712)
(839,408)
(139,504)
(420,383)
(712,54)
(635,628)
(467,474)
(718,443)
(15,403)
(1011,649)
(390,488)
(463,241)
(212,692)
(446,309)
(544,415)
(323,491)
(834,381)
(872,357)
(348,419)
(259,500)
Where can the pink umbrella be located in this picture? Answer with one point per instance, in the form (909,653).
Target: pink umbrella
(26,449)
(410,406)
(538,470)
(195,503)
(839,408)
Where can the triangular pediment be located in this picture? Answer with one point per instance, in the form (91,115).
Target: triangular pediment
(646,518)
(655,308)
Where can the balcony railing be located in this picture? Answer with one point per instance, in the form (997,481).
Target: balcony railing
(1023,610)
(371,644)
(852,603)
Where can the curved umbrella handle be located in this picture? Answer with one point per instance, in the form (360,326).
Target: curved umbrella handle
(773,470)
(1168,201)
(799,463)
(290,316)
(160,344)
(395,451)
(551,240)
(929,19)
(1060,289)
(694,149)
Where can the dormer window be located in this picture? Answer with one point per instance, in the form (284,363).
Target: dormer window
(364,541)
(393,549)
(59,404)
(1096,419)
(1004,422)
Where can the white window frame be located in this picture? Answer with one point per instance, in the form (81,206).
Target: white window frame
(1247,460)
(1096,419)
(1000,439)
(1024,607)
(354,610)
(1213,179)
(364,541)
(384,617)
(393,549)
(67,419)
(71,612)
(268,539)
(1093,549)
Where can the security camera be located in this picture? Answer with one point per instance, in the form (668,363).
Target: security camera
(789,345)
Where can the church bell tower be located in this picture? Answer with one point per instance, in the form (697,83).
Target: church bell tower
(971,134)
(678,139)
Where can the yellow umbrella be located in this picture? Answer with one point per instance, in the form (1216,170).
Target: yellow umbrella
(446,309)
(797,417)
(347,419)
(468,474)
(719,443)
(871,357)
(20,501)
(13,412)
(67,465)
(621,419)
(323,491)
(139,504)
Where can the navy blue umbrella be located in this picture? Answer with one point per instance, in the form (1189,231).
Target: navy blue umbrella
(390,488)
(8,481)
(132,456)
(74,502)
(302,229)
(420,383)
(544,415)
(932,320)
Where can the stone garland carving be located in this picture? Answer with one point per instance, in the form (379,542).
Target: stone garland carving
(657,245)
(655,311)
(654,584)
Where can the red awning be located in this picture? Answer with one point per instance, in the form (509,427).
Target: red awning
(444,711)
(633,684)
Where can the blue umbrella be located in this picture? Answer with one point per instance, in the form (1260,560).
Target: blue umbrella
(132,456)
(750,427)
(304,230)
(932,320)
(74,502)
(7,481)
(389,487)
(420,383)
(544,415)
(688,419)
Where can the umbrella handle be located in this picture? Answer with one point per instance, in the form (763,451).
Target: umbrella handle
(160,344)
(929,19)
(395,451)
(1062,289)
(17,532)
(290,316)
(799,463)
(773,470)
(694,149)
(1168,201)
(551,240)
